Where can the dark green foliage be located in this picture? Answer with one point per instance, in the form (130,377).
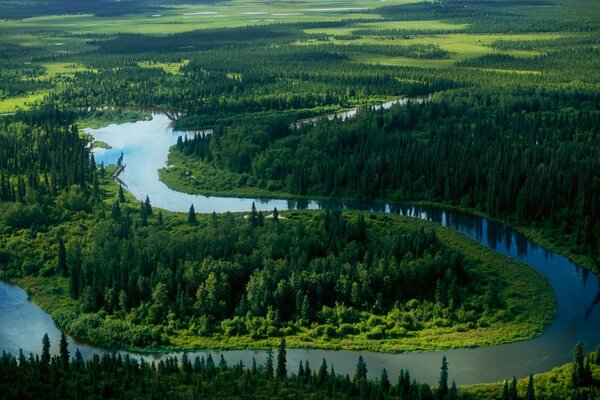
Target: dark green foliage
(121,194)
(62,266)
(530,393)
(281,360)
(257,277)
(509,161)
(192,215)
(578,374)
(442,390)
(112,375)
(43,160)
(64,352)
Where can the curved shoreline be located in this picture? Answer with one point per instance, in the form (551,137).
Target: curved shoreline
(577,317)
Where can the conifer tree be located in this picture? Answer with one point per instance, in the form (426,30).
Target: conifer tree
(281,360)
(64,351)
(121,194)
(443,384)
(192,215)
(269,369)
(63,268)
(530,393)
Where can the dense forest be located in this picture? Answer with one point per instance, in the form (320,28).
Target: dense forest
(108,376)
(508,160)
(505,123)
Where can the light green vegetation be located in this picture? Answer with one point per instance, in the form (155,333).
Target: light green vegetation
(101,118)
(190,175)
(21,102)
(169,67)
(352,28)
(461,46)
(98,144)
(191,17)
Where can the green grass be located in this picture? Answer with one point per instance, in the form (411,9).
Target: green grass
(461,46)
(191,17)
(102,118)
(24,102)
(397,25)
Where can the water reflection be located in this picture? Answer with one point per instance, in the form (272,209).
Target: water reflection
(145,146)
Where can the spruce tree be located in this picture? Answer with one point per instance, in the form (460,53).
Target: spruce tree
(505,395)
(192,216)
(443,384)
(64,351)
(530,394)
(577,376)
(281,360)
(512,393)
(361,370)
(45,360)
(384,382)
(63,269)
(269,364)
(121,194)
(323,372)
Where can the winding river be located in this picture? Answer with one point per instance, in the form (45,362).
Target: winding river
(145,146)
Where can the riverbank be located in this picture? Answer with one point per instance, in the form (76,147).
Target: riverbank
(197,177)
(528,305)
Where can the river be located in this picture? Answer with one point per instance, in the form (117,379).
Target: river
(145,146)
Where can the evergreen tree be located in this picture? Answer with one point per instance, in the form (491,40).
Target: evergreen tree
(64,351)
(384,382)
(530,394)
(443,384)
(45,351)
(275,215)
(361,370)
(281,360)
(453,393)
(78,360)
(116,211)
(269,364)
(63,268)
(513,393)
(192,216)
(148,206)
(143,214)
(323,373)
(577,376)
(121,194)
(505,394)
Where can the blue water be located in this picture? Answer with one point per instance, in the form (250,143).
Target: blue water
(145,145)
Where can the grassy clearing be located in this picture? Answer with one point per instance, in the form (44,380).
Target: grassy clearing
(191,17)
(460,46)
(24,102)
(173,68)
(399,25)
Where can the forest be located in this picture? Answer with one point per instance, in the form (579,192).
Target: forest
(108,376)
(503,122)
